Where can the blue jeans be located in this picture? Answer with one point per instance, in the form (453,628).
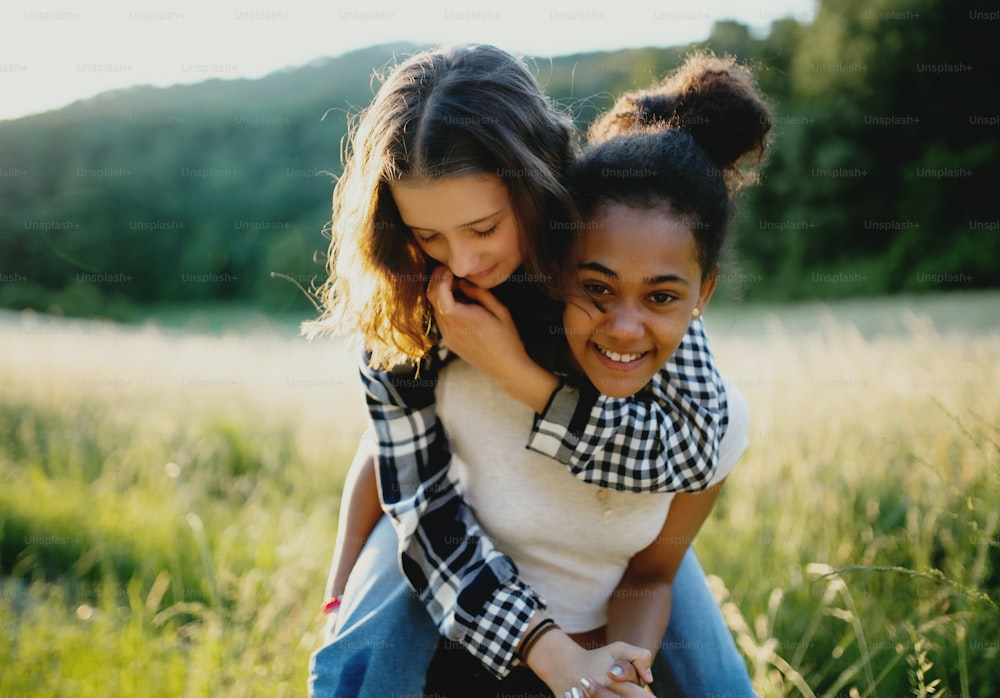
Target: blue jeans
(385,639)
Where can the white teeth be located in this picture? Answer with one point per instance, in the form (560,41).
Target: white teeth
(615,356)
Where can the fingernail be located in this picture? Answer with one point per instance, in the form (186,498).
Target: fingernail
(576,692)
(567,694)
(649,676)
(617,670)
(586,682)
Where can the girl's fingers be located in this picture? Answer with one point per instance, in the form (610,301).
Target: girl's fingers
(645,672)
(484,297)
(631,660)
(588,687)
(629,672)
(624,671)
(439,291)
(592,689)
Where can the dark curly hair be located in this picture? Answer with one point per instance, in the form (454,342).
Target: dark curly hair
(688,144)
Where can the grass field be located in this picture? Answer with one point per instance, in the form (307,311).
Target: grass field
(170,500)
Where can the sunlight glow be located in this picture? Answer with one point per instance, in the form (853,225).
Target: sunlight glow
(53,54)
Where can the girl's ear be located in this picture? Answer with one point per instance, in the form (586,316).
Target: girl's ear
(708,284)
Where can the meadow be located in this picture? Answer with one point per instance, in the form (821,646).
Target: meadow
(170,501)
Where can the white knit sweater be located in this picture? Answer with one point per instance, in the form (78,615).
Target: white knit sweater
(571,540)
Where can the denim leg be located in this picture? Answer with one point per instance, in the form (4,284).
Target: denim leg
(698,656)
(385,638)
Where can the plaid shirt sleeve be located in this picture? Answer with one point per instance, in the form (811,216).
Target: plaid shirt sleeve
(664,439)
(471,590)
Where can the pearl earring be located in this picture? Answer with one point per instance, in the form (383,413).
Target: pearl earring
(695,313)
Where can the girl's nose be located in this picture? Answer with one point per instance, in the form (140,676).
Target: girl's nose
(623,321)
(463,260)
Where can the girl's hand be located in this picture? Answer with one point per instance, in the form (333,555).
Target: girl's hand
(591,689)
(574,670)
(630,679)
(483,334)
(637,671)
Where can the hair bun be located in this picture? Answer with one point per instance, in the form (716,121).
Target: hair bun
(713,99)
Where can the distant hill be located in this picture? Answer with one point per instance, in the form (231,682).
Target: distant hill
(196,191)
(880,179)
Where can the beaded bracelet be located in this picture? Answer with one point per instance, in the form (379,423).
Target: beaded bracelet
(532,637)
(332,605)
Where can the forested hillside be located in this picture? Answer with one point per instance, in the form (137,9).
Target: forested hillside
(886,154)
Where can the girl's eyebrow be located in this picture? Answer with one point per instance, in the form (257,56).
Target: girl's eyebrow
(666,278)
(649,281)
(599,268)
(462,225)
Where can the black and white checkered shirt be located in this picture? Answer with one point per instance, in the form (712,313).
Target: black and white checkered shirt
(664,439)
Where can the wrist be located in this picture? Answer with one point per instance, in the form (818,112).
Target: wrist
(550,653)
(529,383)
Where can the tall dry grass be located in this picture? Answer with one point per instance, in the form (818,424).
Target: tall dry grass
(857,548)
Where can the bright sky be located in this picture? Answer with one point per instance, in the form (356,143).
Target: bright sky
(56,51)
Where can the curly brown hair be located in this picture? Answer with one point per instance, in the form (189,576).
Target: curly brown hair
(688,144)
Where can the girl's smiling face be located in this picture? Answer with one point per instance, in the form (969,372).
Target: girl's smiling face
(637,284)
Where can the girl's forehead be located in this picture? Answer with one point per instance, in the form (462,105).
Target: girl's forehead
(639,241)
(449,202)
(660,215)
(429,179)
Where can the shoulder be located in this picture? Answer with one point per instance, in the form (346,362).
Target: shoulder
(737,436)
